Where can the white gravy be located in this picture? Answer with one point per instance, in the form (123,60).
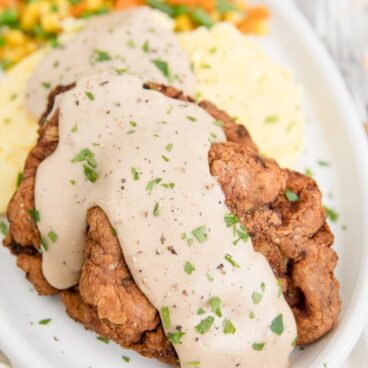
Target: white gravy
(153,182)
(132,39)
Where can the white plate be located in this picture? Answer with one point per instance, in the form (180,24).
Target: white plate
(333,134)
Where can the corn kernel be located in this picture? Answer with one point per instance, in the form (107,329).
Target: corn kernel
(30,16)
(50,22)
(14,37)
(233,16)
(183,23)
(94,4)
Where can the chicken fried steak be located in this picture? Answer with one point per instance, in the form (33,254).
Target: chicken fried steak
(292,235)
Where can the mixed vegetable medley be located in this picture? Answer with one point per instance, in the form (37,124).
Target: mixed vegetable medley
(27,25)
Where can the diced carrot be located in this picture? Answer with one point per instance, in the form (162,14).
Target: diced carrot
(77,10)
(258,12)
(123,4)
(7,4)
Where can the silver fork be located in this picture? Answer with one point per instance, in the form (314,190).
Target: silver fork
(340,25)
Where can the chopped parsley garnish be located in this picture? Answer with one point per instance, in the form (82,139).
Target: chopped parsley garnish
(252,315)
(331,214)
(279,284)
(44,322)
(190,241)
(125,358)
(294,342)
(258,346)
(175,338)
(215,306)
(239,230)
(165,312)
(308,172)
(35,215)
(194,364)
(168,185)
(133,123)
(90,174)
(229,327)
(120,71)
(53,236)
(263,286)
(200,233)
(103,339)
(151,184)
(44,246)
(135,173)
(83,155)
(131,43)
(323,163)
(291,195)
(19,179)
(277,325)
(163,67)
(229,258)
(256,297)
(191,118)
(209,277)
(90,95)
(169,147)
(74,129)
(205,325)
(4,228)
(156,210)
(189,268)
(46,85)
(113,231)
(271,119)
(99,56)
(165,158)
(219,123)
(72,182)
(146,47)
(202,18)
(200,311)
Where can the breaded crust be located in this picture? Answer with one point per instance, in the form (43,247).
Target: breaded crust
(293,236)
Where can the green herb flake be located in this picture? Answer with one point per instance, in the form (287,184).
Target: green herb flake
(44,322)
(35,215)
(156,210)
(308,172)
(135,173)
(331,214)
(263,287)
(131,43)
(229,327)
(229,258)
(200,233)
(209,277)
(200,311)
(74,129)
(83,155)
(151,184)
(103,339)
(165,312)
(121,71)
(90,174)
(175,338)
(169,147)
(99,56)
(113,231)
(133,123)
(271,119)
(168,185)
(258,346)
(90,95)
(53,236)
(256,297)
(215,306)
(44,245)
(205,325)
(191,118)
(46,85)
(189,268)
(219,123)
(146,47)
(252,315)
(194,364)
(20,178)
(72,182)
(163,67)
(277,325)
(125,358)
(279,285)
(165,158)
(294,342)
(4,228)
(323,163)
(291,195)
(190,241)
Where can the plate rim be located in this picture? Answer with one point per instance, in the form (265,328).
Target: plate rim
(23,355)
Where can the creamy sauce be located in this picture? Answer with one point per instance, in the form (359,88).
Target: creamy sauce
(130,40)
(149,153)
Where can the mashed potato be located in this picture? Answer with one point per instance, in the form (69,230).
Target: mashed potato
(18,128)
(234,73)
